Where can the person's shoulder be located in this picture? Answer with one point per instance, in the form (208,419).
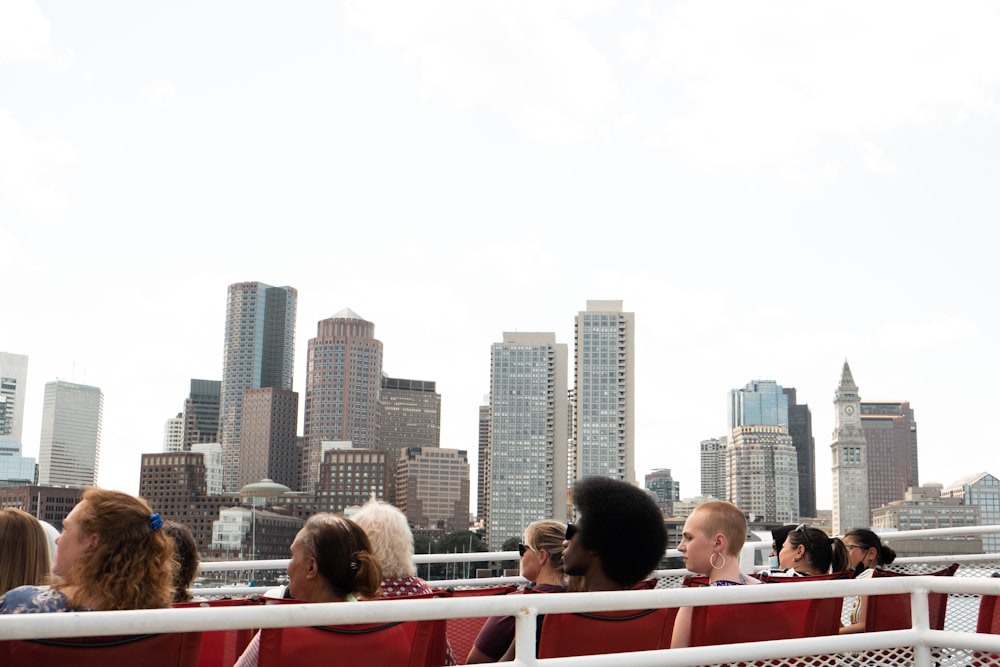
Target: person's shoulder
(32,599)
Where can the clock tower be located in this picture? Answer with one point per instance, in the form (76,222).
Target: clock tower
(850,459)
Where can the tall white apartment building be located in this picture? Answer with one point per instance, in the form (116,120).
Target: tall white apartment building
(14,468)
(70,448)
(762,476)
(528,434)
(604,435)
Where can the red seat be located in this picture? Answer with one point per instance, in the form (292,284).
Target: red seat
(765,621)
(988,622)
(222,648)
(405,644)
(892,612)
(596,633)
(462,632)
(178,649)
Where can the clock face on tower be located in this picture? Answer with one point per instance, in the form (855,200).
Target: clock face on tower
(849,410)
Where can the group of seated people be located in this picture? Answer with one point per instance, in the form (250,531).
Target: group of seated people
(115,553)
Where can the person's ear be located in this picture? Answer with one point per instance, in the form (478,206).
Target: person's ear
(313,569)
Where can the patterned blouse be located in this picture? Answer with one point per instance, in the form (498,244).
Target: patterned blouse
(35,600)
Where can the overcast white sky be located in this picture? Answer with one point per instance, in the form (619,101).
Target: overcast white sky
(771,187)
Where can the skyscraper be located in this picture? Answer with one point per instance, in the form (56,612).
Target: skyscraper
(605,392)
(432,488)
(342,388)
(891,435)
(173,434)
(409,414)
(201,412)
(800,428)
(528,434)
(667,491)
(762,478)
(268,442)
(483,473)
(713,467)
(259,351)
(761,461)
(13,381)
(69,453)
(14,468)
(851,508)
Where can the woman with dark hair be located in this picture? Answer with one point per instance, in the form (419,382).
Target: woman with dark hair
(332,561)
(112,555)
(186,554)
(24,551)
(865,553)
(808,550)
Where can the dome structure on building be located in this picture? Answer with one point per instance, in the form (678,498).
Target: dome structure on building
(261,493)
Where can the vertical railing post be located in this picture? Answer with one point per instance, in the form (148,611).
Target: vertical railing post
(525,629)
(921,621)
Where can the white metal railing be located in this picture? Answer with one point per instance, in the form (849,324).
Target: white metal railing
(526,608)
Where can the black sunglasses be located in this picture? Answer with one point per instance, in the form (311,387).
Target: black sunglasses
(571,530)
(523,548)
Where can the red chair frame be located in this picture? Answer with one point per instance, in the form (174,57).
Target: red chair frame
(594,633)
(462,632)
(892,611)
(175,649)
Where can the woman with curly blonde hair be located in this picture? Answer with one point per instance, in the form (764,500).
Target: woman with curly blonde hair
(112,555)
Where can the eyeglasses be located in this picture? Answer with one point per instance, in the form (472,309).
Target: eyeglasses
(524,548)
(854,546)
(571,530)
(801,528)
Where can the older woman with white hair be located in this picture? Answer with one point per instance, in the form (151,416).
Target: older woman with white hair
(392,542)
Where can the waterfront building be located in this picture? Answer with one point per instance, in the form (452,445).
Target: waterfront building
(268,441)
(173,434)
(70,449)
(432,488)
(762,476)
(850,459)
(980,490)
(249,533)
(343,378)
(800,428)
(174,484)
(891,437)
(201,412)
(665,488)
(605,392)
(528,433)
(47,503)
(925,508)
(258,351)
(713,467)
(352,476)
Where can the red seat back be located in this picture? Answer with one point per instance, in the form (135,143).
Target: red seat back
(222,648)
(830,576)
(596,633)
(764,621)
(989,615)
(462,632)
(405,644)
(178,649)
(892,612)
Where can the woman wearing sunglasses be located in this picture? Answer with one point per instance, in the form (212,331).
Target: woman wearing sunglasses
(808,550)
(542,565)
(865,553)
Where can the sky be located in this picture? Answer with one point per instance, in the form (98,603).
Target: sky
(772,188)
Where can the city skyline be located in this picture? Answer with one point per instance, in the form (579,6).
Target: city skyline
(766,200)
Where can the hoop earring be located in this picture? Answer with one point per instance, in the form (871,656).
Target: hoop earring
(711,560)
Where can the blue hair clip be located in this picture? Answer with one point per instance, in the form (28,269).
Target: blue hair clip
(155,522)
